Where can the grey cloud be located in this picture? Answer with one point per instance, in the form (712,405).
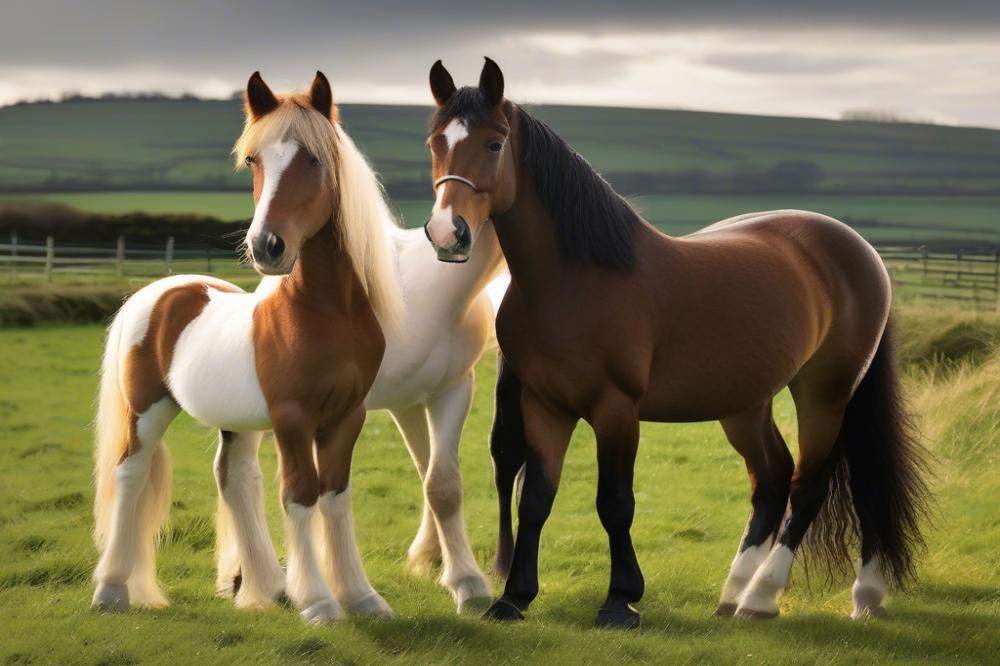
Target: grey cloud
(784,63)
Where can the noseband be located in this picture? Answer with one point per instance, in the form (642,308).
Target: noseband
(444,179)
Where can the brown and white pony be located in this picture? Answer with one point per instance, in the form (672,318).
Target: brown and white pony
(610,321)
(297,357)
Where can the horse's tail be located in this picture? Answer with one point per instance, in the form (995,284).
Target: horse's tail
(113,425)
(878,493)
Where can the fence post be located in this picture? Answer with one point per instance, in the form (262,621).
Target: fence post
(120,256)
(50,257)
(208,258)
(923,254)
(169,254)
(13,255)
(996,281)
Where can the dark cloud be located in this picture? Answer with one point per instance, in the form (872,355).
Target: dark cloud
(729,55)
(224,34)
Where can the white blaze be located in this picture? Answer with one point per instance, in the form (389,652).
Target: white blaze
(274,159)
(455,132)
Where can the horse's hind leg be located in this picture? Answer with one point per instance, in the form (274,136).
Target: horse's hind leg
(443,489)
(248,568)
(769,466)
(819,418)
(425,549)
(126,572)
(507,451)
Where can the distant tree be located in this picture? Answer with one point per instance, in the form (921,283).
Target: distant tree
(880,116)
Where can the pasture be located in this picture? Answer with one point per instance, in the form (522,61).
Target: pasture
(691,494)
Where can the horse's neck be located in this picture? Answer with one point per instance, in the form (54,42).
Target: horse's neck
(324,274)
(526,233)
(485,263)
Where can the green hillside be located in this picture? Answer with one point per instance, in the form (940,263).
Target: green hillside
(892,181)
(184,144)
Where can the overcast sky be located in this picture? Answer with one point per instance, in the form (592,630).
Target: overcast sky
(938,61)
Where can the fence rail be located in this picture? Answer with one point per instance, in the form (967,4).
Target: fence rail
(33,260)
(970,277)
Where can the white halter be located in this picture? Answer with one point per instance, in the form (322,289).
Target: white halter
(444,179)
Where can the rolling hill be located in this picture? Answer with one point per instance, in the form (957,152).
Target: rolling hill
(686,168)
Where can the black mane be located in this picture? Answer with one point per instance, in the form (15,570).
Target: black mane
(593,224)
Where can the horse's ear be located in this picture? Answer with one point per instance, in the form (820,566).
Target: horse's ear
(442,85)
(321,96)
(260,101)
(491,82)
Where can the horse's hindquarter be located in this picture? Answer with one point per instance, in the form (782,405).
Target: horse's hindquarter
(746,305)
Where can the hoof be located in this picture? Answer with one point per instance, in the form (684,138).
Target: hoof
(110,598)
(751,614)
(725,610)
(503,611)
(323,612)
(472,595)
(866,612)
(474,605)
(617,618)
(373,606)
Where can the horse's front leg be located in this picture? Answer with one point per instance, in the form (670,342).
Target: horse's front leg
(447,413)
(305,585)
(248,568)
(616,426)
(548,435)
(342,564)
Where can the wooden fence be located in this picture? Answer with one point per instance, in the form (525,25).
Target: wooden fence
(25,261)
(969,276)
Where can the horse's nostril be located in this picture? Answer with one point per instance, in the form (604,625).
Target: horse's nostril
(274,247)
(463,236)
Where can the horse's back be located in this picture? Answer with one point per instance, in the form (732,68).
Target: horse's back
(757,297)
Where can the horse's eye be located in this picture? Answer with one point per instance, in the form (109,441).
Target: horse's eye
(249,160)
(496,147)
(314,161)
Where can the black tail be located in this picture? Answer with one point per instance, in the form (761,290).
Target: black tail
(878,494)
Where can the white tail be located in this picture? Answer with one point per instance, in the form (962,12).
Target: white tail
(113,425)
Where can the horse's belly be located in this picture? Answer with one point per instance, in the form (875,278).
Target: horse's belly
(714,387)
(213,374)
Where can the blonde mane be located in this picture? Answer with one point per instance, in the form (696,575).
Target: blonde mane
(364,218)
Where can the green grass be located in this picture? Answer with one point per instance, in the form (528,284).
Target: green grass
(221,205)
(691,506)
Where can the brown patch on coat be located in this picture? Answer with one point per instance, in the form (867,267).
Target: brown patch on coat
(147,364)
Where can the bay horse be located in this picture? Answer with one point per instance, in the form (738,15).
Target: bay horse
(298,358)
(610,321)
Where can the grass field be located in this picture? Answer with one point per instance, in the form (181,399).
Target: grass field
(691,506)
